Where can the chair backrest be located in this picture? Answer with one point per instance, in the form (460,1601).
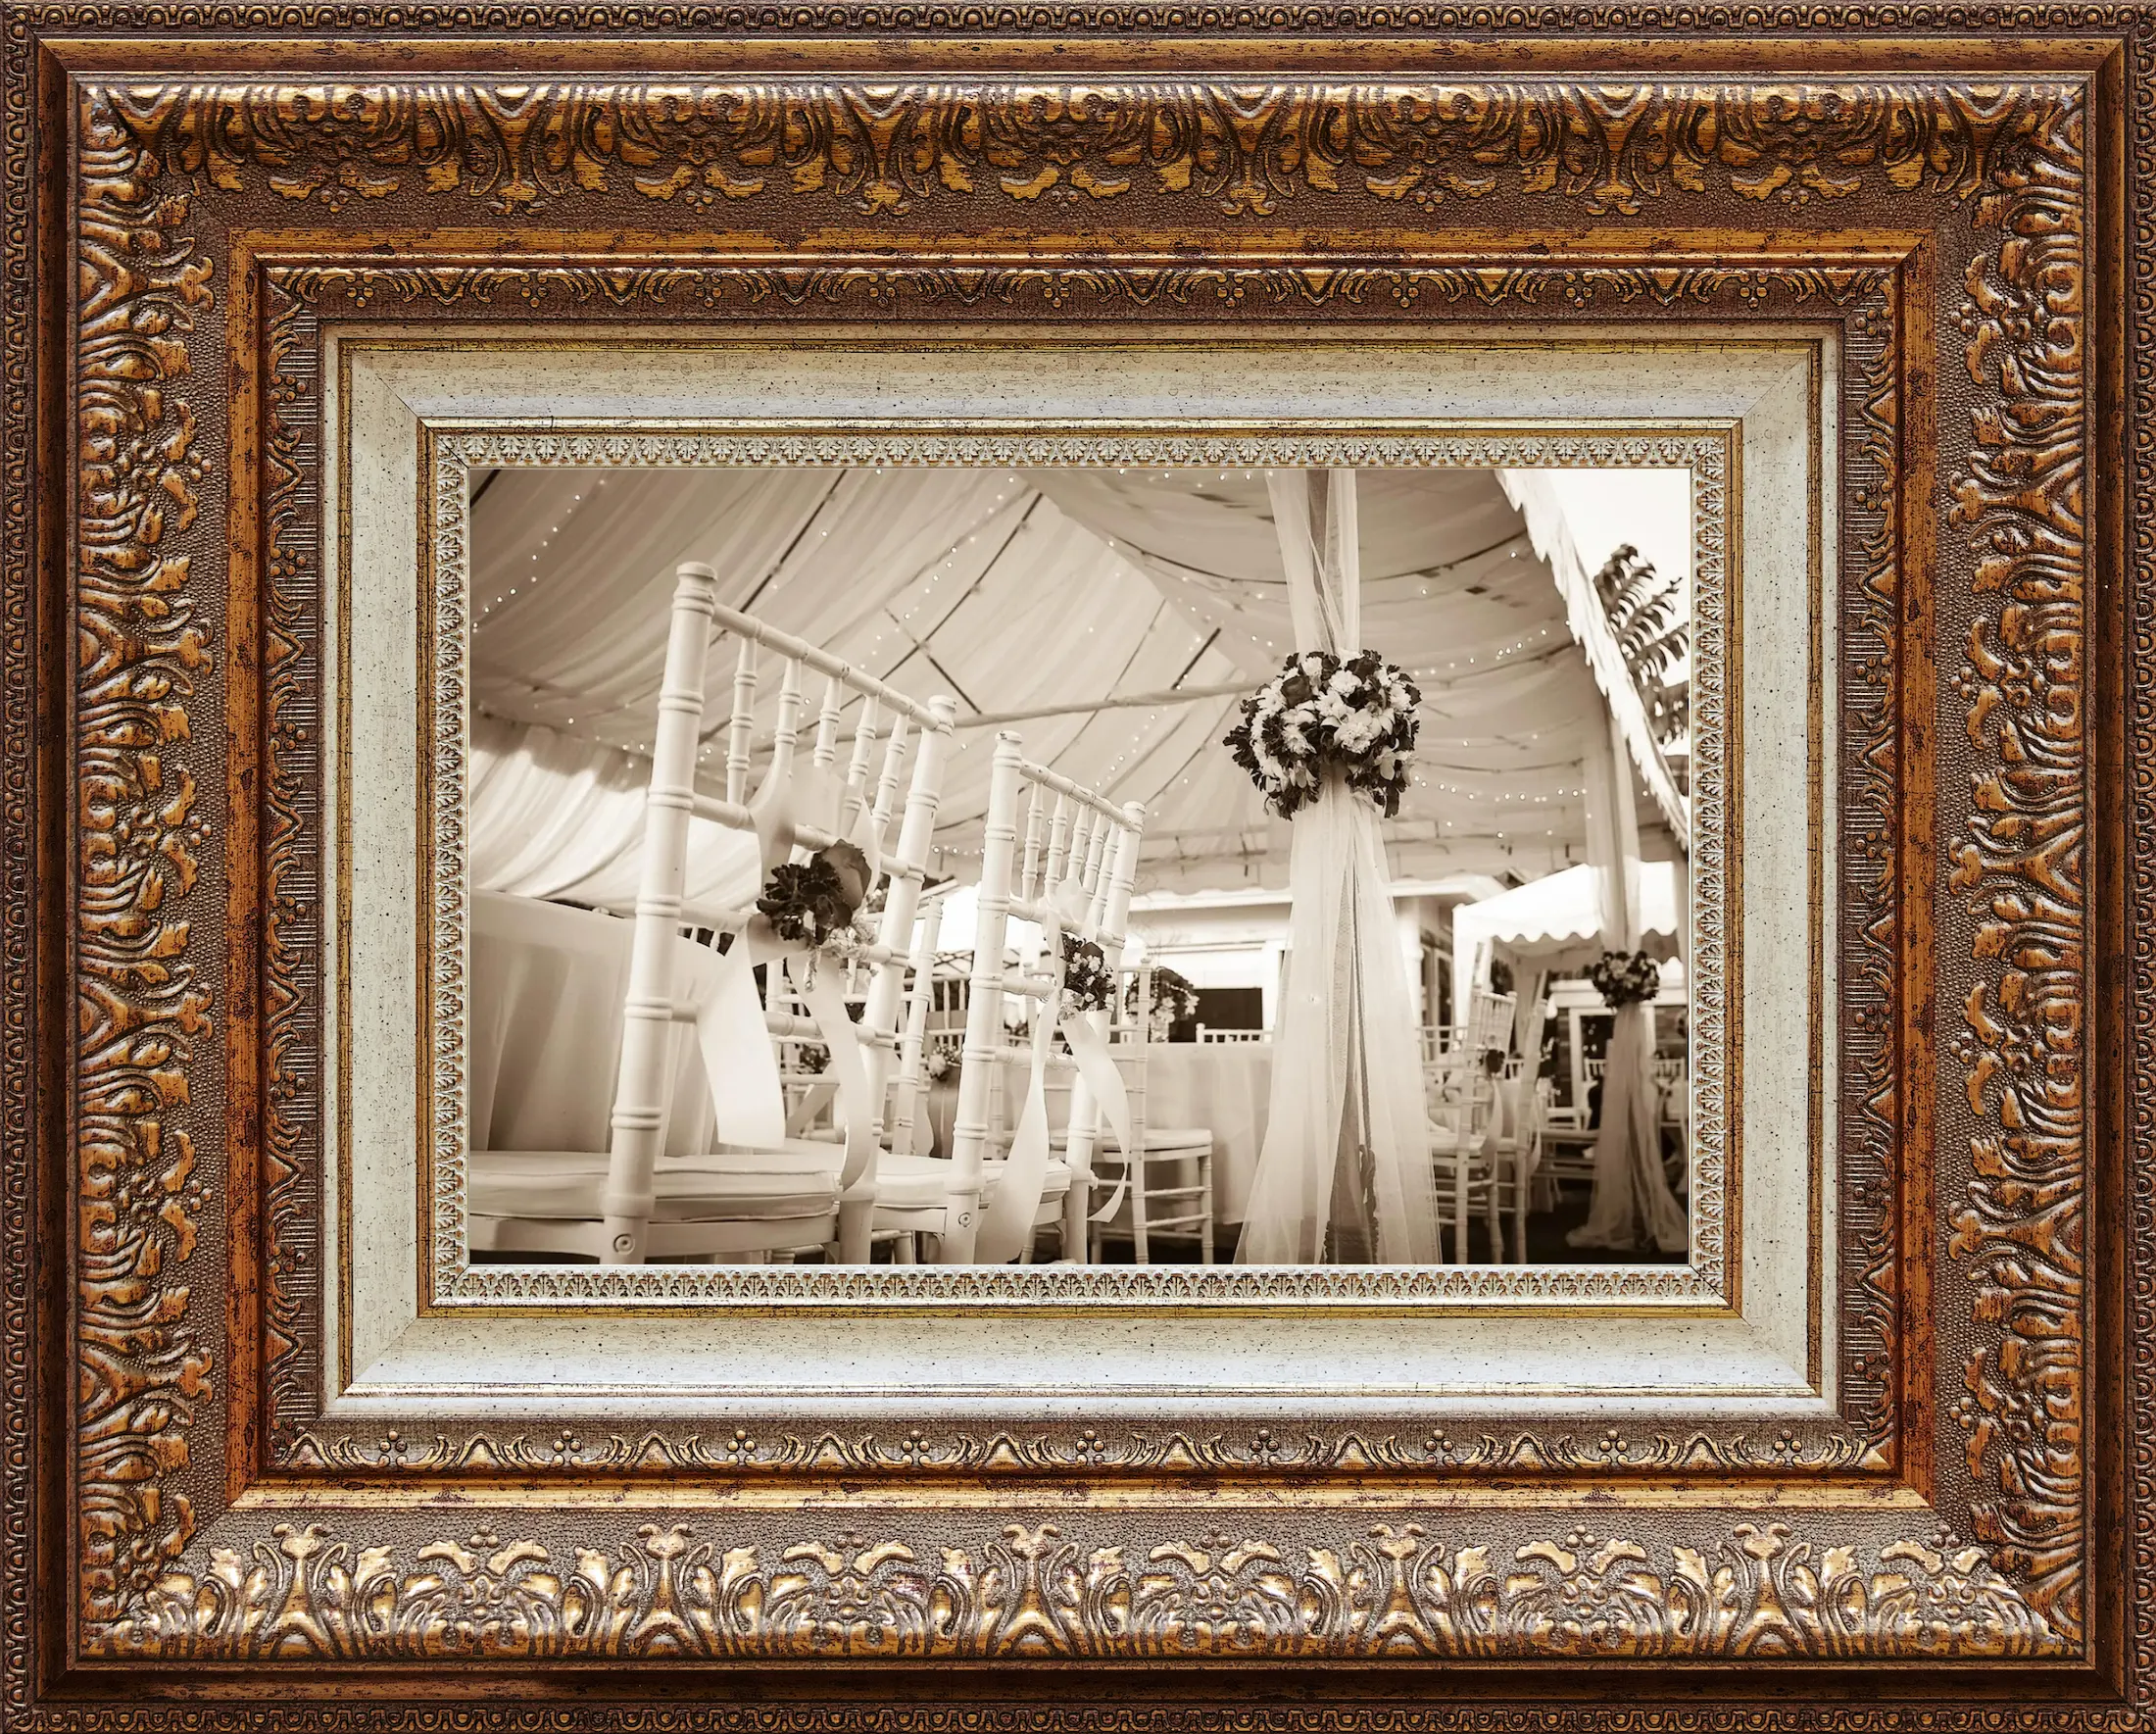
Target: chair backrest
(918,1031)
(1059,854)
(804,806)
(1489,1022)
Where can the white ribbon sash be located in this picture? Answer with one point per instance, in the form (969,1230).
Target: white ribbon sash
(1006,1221)
(748,1097)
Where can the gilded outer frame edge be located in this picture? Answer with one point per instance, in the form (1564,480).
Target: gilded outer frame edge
(1986,1214)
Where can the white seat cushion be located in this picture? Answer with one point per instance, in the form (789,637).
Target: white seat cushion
(923,1182)
(1159,1140)
(797,1179)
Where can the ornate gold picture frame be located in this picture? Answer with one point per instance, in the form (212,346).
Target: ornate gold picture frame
(204,1523)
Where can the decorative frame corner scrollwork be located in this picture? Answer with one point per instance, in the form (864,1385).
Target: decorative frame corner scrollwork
(167,1569)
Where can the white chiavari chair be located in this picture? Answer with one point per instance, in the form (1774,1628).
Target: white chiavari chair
(1474,1153)
(1167,1174)
(1205,1033)
(916,1193)
(1072,873)
(634,1203)
(1490,1018)
(1486,1145)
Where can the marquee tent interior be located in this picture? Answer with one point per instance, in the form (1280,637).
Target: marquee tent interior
(1115,620)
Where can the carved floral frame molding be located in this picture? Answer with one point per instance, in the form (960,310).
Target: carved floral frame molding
(146,1524)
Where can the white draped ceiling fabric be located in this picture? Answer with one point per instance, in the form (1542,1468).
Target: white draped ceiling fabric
(1114,620)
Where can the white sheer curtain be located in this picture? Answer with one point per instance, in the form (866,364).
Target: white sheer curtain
(1633,1206)
(1344,1174)
(553,817)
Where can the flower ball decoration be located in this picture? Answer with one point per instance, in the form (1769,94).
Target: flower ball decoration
(1625,979)
(1353,714)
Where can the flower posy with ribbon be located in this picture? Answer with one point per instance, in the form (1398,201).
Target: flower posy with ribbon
(821,907)
(1088,982)
(821,904)
(1078,1011)
(1355,716)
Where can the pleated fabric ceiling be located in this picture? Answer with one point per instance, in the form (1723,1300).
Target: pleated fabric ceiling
(1110,618)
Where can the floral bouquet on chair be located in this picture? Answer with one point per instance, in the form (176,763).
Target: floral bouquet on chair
(1353,714)
(822,903)
(1088,983)
(1625,979)
(1175,1001)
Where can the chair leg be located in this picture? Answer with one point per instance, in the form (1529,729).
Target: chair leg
(1205,1204)
(1492,1219)
(857,1225)
(1519,1207)
(1077,1206)
(1459,1208)
(1138,1208)
(903,1250)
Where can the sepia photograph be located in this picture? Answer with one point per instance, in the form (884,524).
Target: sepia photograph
(1094,866)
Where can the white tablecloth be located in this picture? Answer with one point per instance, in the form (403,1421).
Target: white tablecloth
(1224,1087)
(543,1029)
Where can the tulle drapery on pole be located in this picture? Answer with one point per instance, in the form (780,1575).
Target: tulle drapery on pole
(1633,1206)
(1344,1174)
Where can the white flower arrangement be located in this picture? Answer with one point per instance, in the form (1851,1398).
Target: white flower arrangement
(1088,982)
(1355,716)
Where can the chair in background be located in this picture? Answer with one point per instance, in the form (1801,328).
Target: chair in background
(1490,1018)
(634,1203)
(1072,874)
(1169,1170)
(1486,1145)
(916,1198)
(1208,1035)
